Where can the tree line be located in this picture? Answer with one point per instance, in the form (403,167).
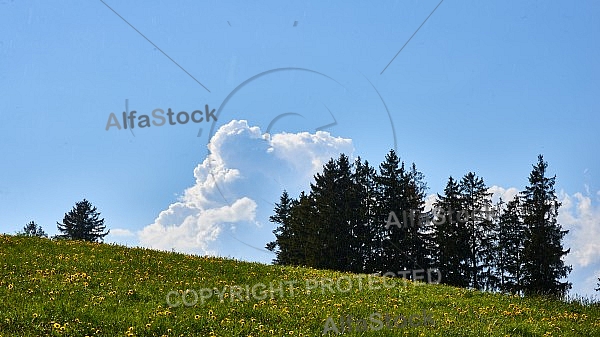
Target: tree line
(83,222)
(356,218)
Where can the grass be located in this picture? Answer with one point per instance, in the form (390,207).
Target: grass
(69,288)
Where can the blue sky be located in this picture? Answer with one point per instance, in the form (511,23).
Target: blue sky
(481,87)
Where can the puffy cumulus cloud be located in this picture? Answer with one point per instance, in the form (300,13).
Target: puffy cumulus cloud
(226,210)
(185,227)
(582,218)
(318,147)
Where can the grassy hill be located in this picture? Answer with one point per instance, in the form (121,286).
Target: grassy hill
(66,288)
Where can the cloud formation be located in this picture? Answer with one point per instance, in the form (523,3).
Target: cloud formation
(226,210)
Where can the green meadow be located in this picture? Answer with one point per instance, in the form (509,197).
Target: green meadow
(73,288)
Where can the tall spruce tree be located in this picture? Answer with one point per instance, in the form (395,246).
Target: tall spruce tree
(418,236)
(305,232)
(82,223)
(476,203)
(401,201)
(451,237)
(295,235)
(332,192)
(328,228)
(542,249)
(364,245)
(391,198)
(508,262)
(283,246)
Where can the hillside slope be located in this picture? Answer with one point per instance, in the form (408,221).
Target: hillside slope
(66,288)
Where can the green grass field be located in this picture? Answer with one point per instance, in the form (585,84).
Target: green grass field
(68,288)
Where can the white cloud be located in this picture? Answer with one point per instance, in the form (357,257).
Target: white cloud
(318,148)
(244,172)
(185,227)
(582,219)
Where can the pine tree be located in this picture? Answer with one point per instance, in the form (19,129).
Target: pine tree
(306,235)
(508,262)
(283,245)
(418,237)
(400,206)
(543,251)
(33,229)
(326,228)
(364,221)
(391,198)
(451,237)
(296,234)
(332,193)
(476,202)
(82,223)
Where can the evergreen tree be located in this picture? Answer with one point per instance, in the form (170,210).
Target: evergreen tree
(305,233)
(283,246)
(33,229)
(508,262)
(332,193)
(82,223)
(476,202)
(401,201)
(391,198)
(451,237)
(364,221)
(418,237)
(543,251)
(327,228)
